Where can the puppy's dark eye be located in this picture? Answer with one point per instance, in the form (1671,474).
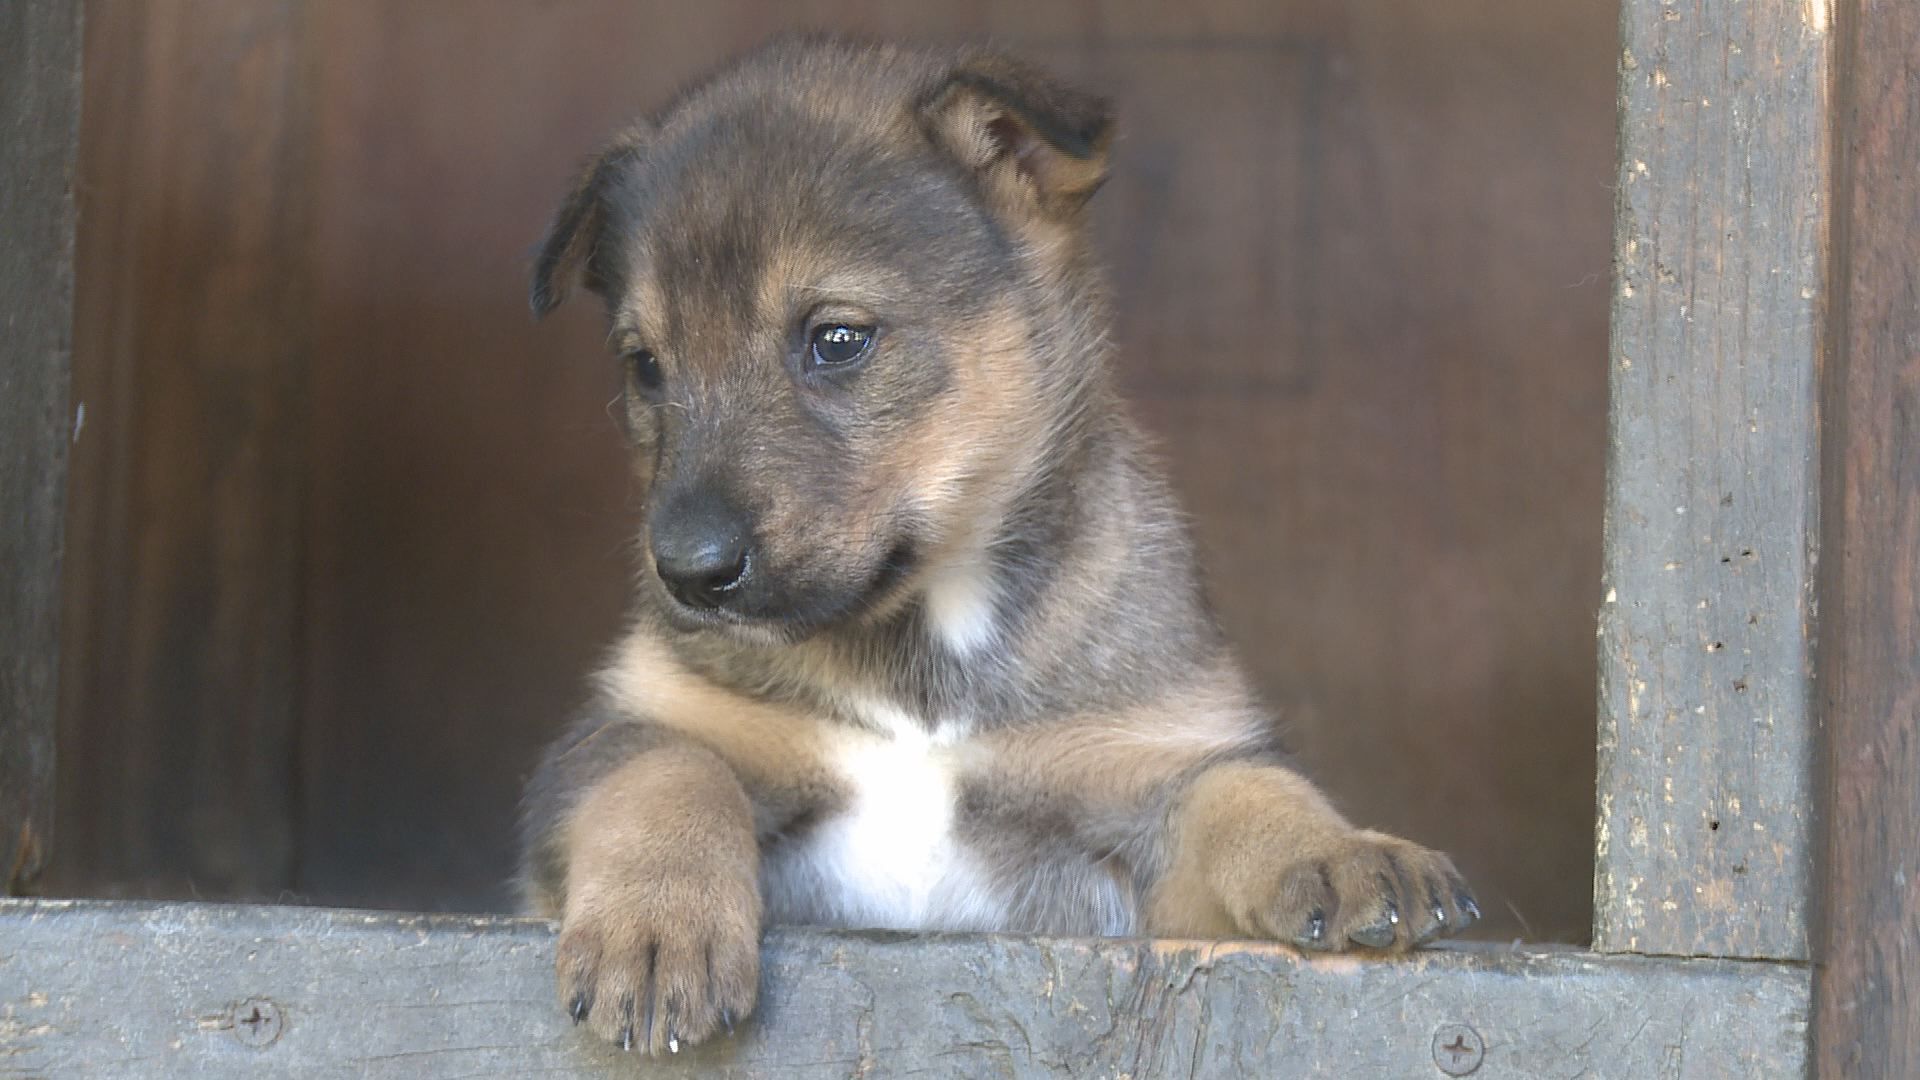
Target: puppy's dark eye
(838,344)
(646,369)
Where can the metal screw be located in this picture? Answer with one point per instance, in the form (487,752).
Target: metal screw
(256,1021)
(1457,1049)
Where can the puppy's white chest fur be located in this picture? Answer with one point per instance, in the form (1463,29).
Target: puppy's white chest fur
(888,857)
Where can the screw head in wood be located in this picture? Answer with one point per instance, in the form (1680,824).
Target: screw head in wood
(256,1022)
(1457,1049)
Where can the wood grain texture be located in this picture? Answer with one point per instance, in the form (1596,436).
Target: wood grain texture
(1867,982)
(39,126)
(366,995)
(1706,730)
(186,522)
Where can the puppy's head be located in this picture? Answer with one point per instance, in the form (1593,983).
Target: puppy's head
(849,291)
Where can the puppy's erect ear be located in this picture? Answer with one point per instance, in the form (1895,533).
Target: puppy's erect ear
(567,254)
(1016,125)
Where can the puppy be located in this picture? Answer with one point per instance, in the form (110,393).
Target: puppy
(918,640)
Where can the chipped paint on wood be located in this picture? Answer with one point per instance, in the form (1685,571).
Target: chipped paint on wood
(1819,15)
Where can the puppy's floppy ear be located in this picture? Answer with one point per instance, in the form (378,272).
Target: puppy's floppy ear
(567,254)
(1015,124)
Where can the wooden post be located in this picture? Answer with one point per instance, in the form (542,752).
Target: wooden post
(1867,983)
(1706,627)
(39,128)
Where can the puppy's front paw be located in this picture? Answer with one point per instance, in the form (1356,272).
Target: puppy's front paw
(660,964)
(1369,891)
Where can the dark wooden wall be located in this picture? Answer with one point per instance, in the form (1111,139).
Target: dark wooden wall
(188,511)
(1867,953)
(348,528)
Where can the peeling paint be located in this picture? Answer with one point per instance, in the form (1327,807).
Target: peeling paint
(1819,15)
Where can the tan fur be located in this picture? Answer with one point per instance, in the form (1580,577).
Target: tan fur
(1119,760)
(1225,880)
(777,753)
(967,460)
(1021,167)
(660,936)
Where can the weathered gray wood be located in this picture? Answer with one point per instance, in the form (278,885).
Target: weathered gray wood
(39,128)
(102,990)
(1867,991)
(1705,627)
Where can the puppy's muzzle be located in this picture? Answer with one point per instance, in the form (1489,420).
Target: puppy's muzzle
(702,550)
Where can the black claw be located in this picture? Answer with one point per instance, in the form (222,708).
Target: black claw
(673,1040)
(1378,935)
(1381,932)
(1315,935)
(581,1005)
(726,1020)
(1467,908)
(626,1030)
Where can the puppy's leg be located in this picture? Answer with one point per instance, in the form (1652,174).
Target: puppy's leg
(644,841)
(1256,851)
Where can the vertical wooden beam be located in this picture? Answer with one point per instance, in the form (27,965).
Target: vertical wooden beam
(187,519)
(39,129)
(1706,730)
(1867,982)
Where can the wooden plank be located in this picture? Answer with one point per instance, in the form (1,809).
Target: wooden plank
(1705,628)
(39,128)
(1867,987)
(373,995)
(186,526)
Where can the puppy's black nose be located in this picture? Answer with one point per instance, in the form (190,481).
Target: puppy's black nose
(701,549)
